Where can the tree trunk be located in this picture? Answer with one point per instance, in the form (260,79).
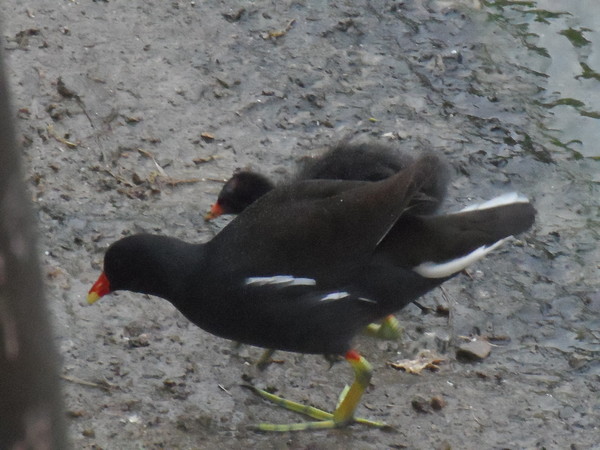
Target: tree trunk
(31,414)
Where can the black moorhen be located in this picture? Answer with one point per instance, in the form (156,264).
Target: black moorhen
(367,161)
(310,264)
(345,161)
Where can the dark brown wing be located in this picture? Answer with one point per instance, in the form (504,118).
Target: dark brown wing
(319,227)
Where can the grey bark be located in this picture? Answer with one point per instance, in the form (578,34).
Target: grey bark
(30,407)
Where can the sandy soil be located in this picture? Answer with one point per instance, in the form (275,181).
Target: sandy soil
(130,114)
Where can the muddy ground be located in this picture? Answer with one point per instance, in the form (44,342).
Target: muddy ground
(159,101)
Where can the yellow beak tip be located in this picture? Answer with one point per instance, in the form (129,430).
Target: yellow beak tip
(92,298)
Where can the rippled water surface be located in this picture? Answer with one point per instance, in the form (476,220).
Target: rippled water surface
(563,37)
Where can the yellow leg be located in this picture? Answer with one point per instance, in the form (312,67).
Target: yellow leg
(343,414)
(389,329)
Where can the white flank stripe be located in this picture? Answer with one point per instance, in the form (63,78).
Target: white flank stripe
(502,200)
(368,300)
(335,296)
(280,280)
(441,270)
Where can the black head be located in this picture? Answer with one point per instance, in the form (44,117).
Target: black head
(241,190)
(148,264)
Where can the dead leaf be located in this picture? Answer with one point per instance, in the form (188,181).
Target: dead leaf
(132,120)
(426,359)
(204,159)
(50,130)
(208,137)
(278,33)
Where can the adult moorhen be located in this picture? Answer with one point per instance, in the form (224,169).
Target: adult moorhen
(367,161)
(310,264)
(345,161)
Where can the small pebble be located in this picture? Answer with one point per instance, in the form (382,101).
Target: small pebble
(437,402)
(420,404)
(474,350)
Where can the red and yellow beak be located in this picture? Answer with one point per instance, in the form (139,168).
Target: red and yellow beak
(216,210)
(100,288)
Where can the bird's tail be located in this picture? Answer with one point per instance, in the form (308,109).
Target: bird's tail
(440,246)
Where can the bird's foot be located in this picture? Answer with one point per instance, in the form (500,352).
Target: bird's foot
(389,329)
(324,420)
(344,412)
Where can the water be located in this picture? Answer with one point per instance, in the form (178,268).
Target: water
(563,38)
(560,53)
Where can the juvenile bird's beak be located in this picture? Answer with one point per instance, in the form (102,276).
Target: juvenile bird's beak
(215,211)
(100,288)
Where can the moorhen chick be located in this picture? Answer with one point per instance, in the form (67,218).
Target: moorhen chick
(310,264)
(345,161)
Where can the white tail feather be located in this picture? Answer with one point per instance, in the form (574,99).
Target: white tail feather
(280,280)
(442,270)
(502,200)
